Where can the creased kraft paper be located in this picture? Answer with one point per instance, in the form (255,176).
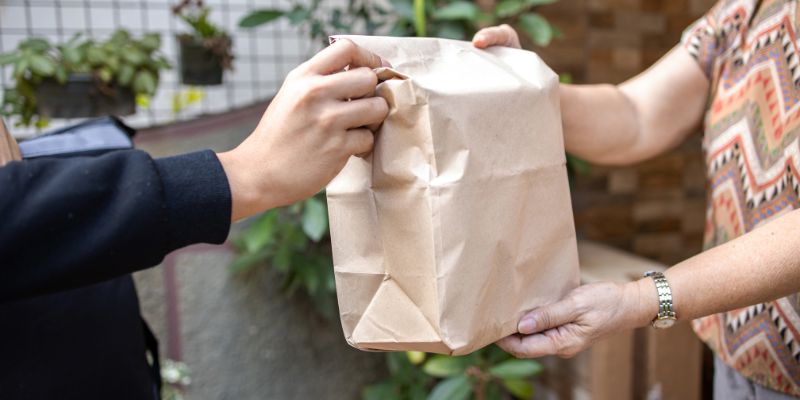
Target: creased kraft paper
(460,219)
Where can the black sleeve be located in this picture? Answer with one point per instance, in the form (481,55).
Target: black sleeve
(66,223)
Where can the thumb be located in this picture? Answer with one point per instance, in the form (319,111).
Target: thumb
(547,317)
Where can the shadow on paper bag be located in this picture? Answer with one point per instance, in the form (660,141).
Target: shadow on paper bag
(460,219)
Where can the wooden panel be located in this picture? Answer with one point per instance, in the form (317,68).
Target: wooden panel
(611,368)
(674,363)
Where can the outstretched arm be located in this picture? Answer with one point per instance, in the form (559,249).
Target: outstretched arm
(627,123)
(73,222)
(760,266)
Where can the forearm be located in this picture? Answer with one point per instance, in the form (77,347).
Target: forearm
(760,266)
(78,221)
(600,123)
(638,119)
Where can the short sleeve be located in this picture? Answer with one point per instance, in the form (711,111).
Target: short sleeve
(703,41)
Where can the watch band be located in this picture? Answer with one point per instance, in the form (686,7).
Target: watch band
(666,312)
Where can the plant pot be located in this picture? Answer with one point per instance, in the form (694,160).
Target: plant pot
(80,97)
(199,65)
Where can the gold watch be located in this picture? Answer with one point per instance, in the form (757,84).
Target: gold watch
(666,313)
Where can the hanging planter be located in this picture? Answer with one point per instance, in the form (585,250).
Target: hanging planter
(81,78)
(206,52)
(200,64)
(81,97)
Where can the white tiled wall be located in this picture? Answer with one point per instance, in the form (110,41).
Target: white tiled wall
(264,55)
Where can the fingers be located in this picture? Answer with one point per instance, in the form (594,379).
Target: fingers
(530,346)
(341,54)
(352,84)
(359,141)
(359,113)
(502,35)
(548,317)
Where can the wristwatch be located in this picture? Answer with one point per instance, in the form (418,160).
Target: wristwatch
(666,314)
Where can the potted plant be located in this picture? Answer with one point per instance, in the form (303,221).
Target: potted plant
(81,78)
(206,52)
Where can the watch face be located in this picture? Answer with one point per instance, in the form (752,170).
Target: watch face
(663,323)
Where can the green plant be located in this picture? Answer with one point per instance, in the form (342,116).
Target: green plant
(460,19)
(120,61)
(322,21)
(295,242)
(487,374)
(454,19)
(195,14)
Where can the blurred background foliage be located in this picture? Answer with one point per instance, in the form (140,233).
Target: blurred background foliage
(295,240)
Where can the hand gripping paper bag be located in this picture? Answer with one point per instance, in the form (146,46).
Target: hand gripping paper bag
(460,219)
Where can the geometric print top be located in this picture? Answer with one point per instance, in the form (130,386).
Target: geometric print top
(748,49)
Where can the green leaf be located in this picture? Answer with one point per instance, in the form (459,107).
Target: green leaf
(403,9)
(494,391)
(537,28)
(120,36)
(443,366)
(8,58)
(246,261)
(20,67)
(71,55)
(451,30)
(507,8)
(282,259)
(134,56)
(416,357)
(298,15)
(42,65)
(457,10)
(577,165)
(455,388)
(105,74)
(37,45)
(125,75)
(260,17)
(144,83)
(151,41)
(511,369)
(61,74)
(381,391)
(95,55)
(539,2)
(315,219)
(520,388)
(261,232)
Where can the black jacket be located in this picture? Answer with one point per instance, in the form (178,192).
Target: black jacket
(71,232)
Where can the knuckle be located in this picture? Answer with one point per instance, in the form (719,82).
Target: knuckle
(366,76)
(346,45)
(365,142)
(313,90)
(544,319)
(326,120)
(379,107)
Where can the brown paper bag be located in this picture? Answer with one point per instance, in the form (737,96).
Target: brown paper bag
(460,219)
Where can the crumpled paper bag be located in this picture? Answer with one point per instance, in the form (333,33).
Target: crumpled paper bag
(459,221)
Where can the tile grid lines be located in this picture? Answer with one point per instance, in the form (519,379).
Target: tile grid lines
(260,59)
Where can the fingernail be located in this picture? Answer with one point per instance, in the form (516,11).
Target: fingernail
(527,326)
(385,63)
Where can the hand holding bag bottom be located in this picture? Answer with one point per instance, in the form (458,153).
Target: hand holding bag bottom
(460,219)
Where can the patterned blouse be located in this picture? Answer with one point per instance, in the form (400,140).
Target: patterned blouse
(749,51)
